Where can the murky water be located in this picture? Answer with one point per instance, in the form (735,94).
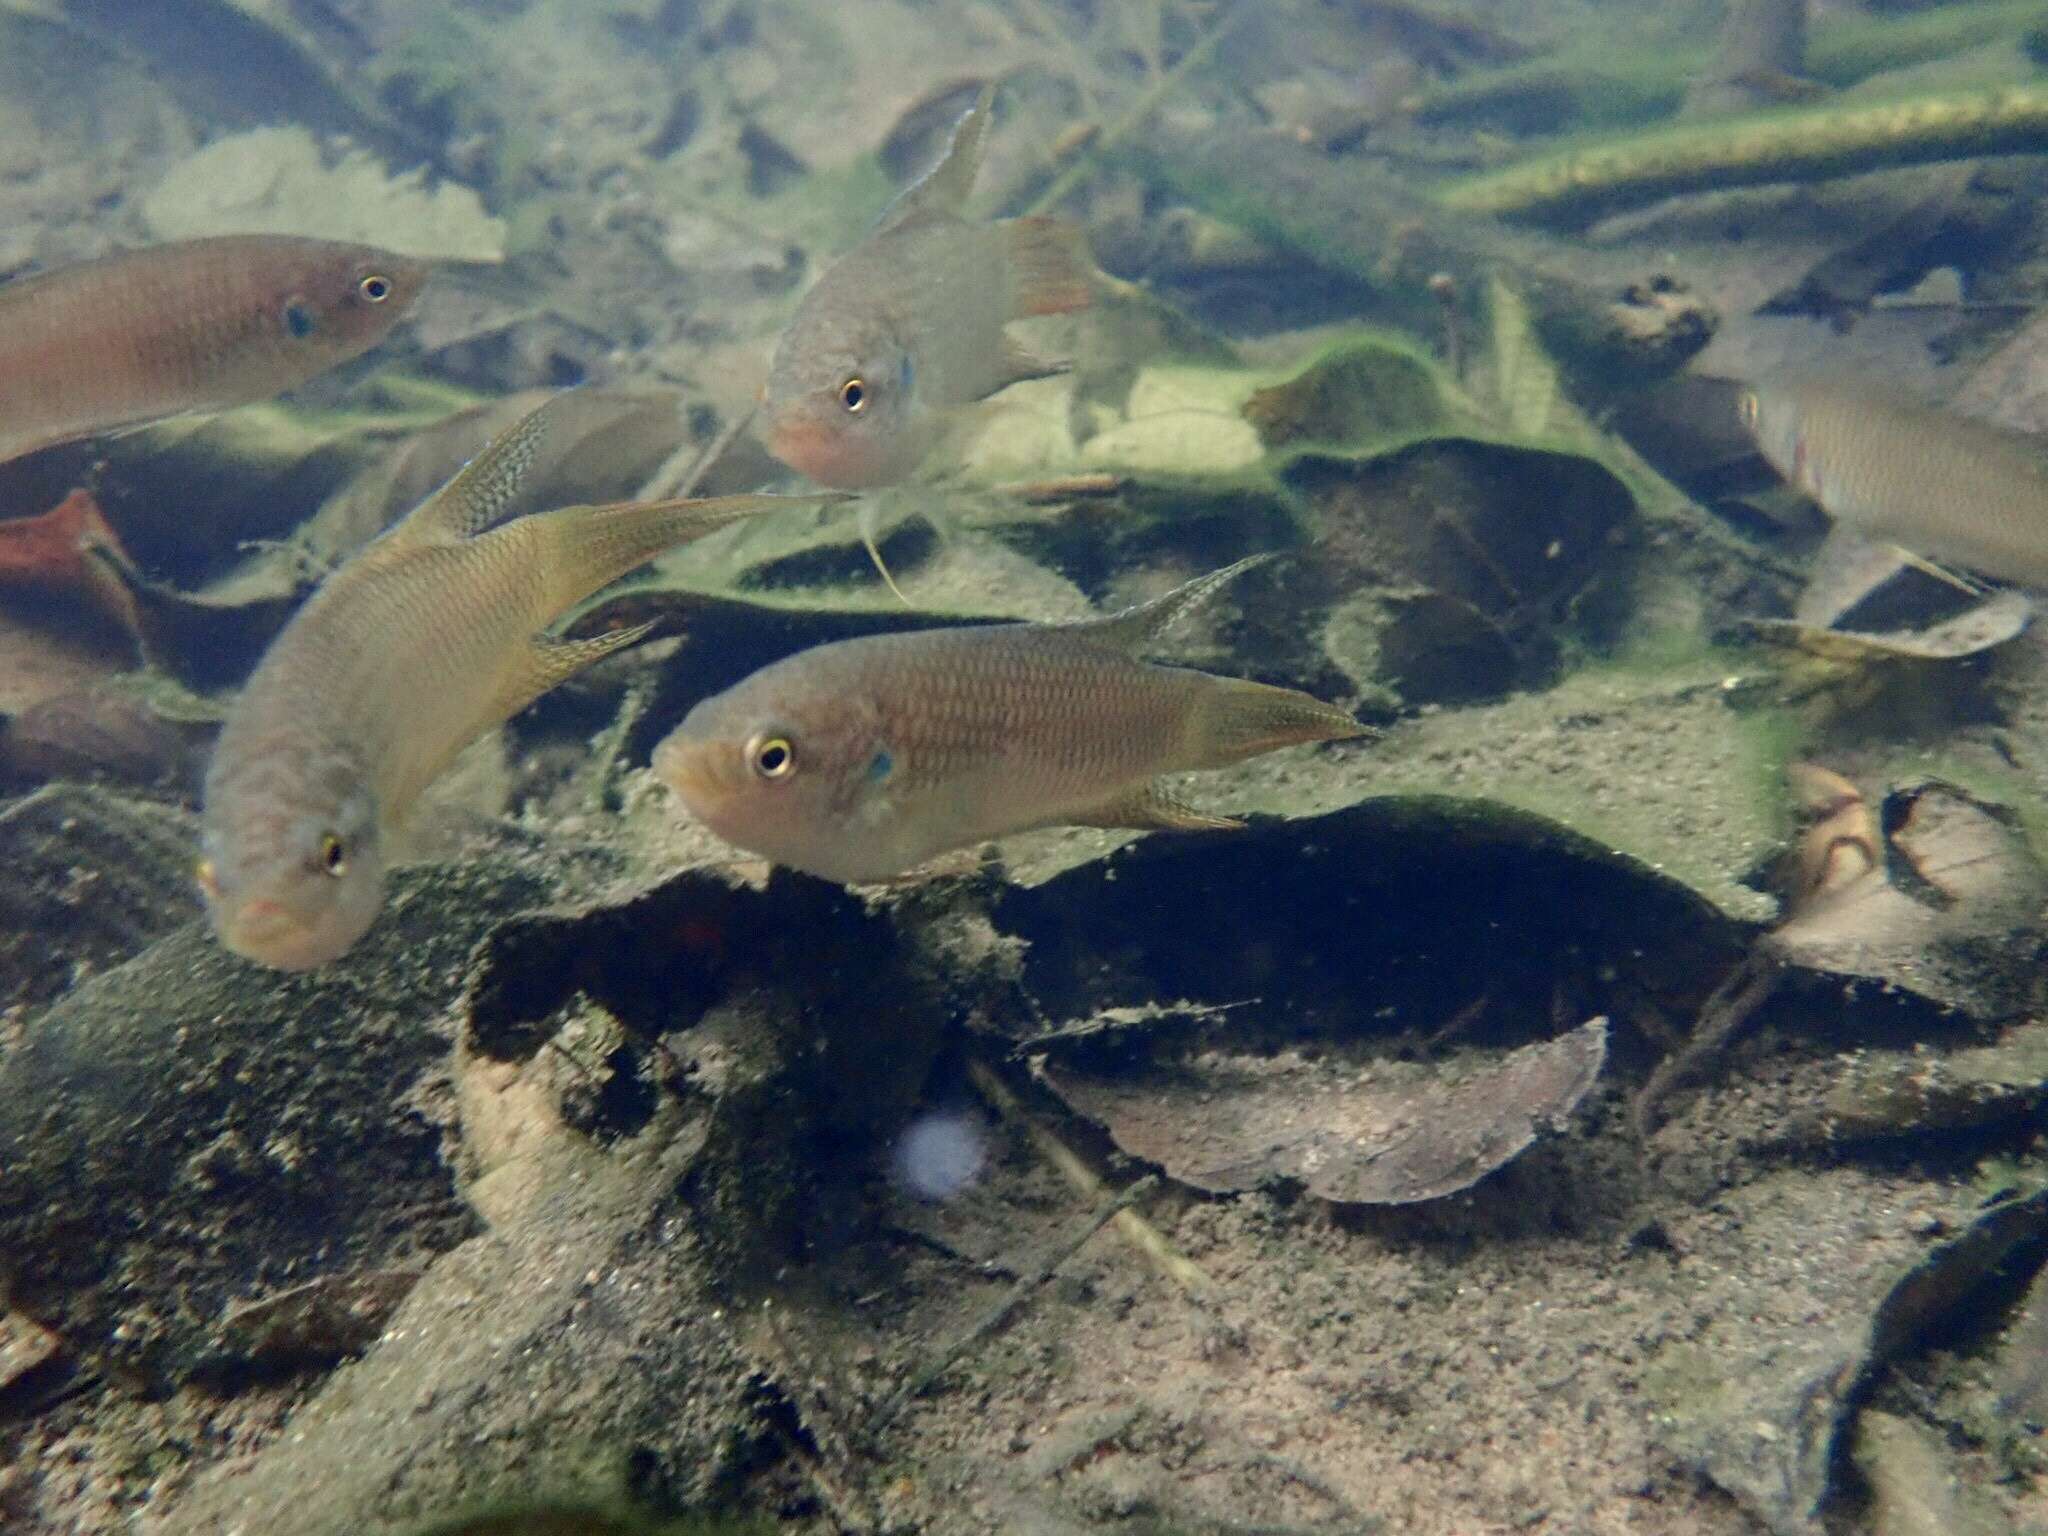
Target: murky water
(1517,1009)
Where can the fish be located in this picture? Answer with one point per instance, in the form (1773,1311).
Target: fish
(861,759)
(1893,471)
(197,325)
(907,328)
(432,634)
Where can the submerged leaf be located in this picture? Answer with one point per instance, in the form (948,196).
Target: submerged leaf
(1992,622)
(1387,1135)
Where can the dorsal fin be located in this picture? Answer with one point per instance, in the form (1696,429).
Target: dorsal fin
(942,191)
(1135,628)
(481,491)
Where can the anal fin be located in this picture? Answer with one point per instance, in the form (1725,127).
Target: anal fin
(1151,807)
(550,663)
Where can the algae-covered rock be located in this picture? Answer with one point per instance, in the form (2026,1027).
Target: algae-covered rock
(1834,1285)
(278,181)
(93,877)
(186,1133)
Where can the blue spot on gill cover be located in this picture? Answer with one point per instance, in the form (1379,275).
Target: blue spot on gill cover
(881,765)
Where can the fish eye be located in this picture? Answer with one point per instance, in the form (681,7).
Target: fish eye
(298,319)
(772,757)
(375,288)
(333,856)
(853,394)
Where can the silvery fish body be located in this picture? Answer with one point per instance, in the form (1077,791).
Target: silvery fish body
(909,326)
(861,759)
(196,326)
(1898,472)
(430,636)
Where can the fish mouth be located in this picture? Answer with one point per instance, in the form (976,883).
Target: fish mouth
(266,931)
(803,445)
(692,771)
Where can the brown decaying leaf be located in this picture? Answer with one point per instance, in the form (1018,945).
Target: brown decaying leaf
(1992,622)
(1388,1134)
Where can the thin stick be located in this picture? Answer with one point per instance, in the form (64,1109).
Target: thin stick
(671,479)
(1136,1230)
(1739,995)
(990,1321)
(1085,162)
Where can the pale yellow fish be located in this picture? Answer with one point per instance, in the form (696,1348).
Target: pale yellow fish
(196,326)
(1895,471)
(861,759)
(908,326)
(430,636)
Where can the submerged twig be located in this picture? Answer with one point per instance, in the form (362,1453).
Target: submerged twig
(1030,1280)
(1811,145)
(1722,1017)
(682,472)
(1136,1230)
(1086,159)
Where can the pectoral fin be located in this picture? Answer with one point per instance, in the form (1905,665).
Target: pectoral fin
(1151,807)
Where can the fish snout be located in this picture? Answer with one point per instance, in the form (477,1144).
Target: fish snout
(700,773)
(267,931)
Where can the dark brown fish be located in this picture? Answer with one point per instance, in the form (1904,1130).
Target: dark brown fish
(196,326)
(861,759)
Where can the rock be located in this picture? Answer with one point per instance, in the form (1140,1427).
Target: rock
(276,181)
(186,1133)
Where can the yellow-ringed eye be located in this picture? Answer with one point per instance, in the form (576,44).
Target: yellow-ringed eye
(853,394)
(375,288)
(333,856)
(772,757)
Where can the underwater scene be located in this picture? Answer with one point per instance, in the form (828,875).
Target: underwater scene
(1169,767)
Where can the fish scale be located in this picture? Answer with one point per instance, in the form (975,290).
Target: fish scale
(1900,472)
(901,747)
(435,632)
(198,325)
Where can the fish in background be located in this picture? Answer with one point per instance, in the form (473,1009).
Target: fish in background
(430,636)
(908,326)
(860,759)
(1760,60)
(199,325)
(1893,471)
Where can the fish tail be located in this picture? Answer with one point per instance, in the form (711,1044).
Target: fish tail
(1235,718)
(1050,269)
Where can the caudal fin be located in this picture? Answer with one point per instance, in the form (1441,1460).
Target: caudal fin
(1050,270)
(1235,719)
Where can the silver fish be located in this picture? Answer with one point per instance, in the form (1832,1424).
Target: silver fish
(907,327)
(430,636)
(861,759)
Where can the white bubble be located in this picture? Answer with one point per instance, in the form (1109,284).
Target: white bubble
(941,1153)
